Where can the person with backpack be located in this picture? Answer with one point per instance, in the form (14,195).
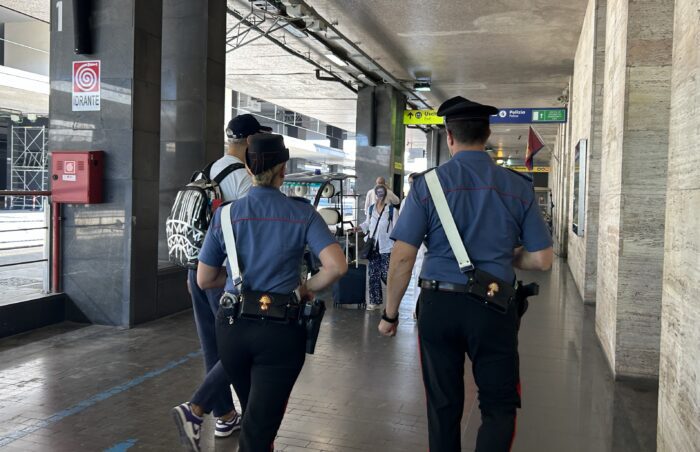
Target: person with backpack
(379,224)
(228,180)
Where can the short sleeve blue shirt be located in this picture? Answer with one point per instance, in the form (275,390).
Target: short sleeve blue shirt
(495,211)
(271,233)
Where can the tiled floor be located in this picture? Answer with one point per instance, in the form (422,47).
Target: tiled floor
(73,388)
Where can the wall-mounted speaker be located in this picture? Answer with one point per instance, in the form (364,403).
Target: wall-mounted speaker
(82,10)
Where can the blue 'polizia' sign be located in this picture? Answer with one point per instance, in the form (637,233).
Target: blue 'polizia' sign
(529,116)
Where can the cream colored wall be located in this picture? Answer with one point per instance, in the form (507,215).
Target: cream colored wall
(632,200)
(679,373)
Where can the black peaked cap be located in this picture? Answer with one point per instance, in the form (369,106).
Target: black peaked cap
(460,108)
(264,152)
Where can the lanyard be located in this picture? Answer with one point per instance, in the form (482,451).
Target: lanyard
(376,226)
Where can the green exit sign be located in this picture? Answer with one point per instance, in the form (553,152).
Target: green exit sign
(549,115)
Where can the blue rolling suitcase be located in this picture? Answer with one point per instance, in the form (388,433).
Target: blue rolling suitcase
(350,289)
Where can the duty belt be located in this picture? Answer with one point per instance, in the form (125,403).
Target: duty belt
(262,305)
(491,291)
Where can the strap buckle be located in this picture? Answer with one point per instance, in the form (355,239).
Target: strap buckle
(466,268)
(237,281)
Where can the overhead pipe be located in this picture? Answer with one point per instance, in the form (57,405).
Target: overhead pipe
(381,71)
(295,53)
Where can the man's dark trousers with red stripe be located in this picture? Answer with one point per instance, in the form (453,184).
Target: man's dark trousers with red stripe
(452,325)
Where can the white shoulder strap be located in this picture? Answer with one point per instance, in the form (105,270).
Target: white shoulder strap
(230,241)
(448,222)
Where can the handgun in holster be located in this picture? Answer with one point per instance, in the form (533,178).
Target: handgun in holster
(522,292)
(311,318)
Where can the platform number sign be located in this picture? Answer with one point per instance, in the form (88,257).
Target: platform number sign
(86,85)
(59,15)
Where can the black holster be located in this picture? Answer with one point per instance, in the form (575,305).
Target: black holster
(311,318)
(522,292)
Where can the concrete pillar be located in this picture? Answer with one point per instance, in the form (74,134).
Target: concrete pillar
(380,138)
(633,192)
(437,151)
(559,183)
(679,373)
(192,96)
(586,116)
(109,250)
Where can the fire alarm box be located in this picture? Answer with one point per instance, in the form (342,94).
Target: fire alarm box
(76,176)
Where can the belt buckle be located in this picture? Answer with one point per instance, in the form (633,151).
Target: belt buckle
(434,285)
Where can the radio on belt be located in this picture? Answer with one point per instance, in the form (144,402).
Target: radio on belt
(76,176)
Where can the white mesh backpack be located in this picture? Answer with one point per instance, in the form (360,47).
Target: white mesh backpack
(191,214)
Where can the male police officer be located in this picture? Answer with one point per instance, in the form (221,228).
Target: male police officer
(494,210)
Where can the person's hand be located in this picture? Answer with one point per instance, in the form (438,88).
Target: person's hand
(305,294)
(388,329)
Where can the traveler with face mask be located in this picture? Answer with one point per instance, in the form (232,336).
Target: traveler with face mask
(379,224)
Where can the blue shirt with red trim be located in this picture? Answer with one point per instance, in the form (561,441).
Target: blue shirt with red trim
(271,234)
(495,211)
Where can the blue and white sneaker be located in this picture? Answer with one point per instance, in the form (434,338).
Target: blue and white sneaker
(189,426)
(224,428)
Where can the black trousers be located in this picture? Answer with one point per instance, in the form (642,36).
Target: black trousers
(451,325)
(263,360)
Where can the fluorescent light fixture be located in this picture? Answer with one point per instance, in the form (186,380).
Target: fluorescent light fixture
(295,31)
(336,60)
(422,84)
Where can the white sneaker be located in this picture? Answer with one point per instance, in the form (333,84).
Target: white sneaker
(224,428)
(374,307)
(189,425)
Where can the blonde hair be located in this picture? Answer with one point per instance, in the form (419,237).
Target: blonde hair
(267,177)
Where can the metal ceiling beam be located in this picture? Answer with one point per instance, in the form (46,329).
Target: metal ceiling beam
(380,71)
(288,49)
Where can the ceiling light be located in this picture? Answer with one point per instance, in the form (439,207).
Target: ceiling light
(337,60)
(295,31)
(422,84)
(499,161)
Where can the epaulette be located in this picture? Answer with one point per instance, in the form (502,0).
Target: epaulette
(422,173)
(524,176)
(300,199)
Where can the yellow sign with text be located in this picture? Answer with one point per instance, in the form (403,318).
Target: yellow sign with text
(535,169)
(421,117)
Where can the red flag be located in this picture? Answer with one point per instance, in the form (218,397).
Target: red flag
(534,144)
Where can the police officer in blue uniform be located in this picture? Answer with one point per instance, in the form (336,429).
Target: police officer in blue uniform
(261,343)
(495,211)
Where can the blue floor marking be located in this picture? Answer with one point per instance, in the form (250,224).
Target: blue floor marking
(121,447)
(87,403)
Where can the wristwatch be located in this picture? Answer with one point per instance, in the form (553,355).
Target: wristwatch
(386,318)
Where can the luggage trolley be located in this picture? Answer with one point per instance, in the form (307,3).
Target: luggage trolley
(332,194)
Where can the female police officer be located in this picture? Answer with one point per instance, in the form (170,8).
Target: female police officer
(263,353)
